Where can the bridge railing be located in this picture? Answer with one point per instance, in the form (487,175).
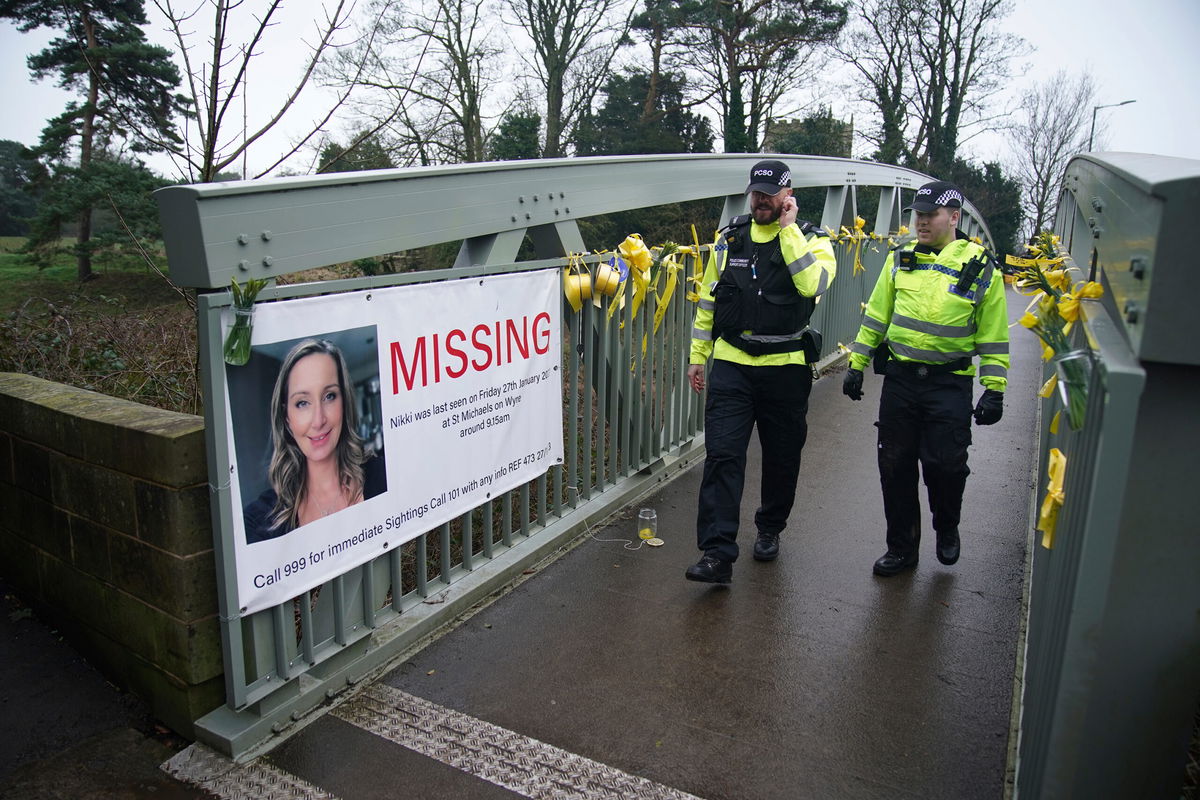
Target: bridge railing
(630,420)
(1112,665)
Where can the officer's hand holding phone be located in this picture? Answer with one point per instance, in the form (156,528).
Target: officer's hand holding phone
(788,215)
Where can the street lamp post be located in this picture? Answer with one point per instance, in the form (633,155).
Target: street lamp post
(1092,135)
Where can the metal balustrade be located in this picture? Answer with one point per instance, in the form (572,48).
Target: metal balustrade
(1112,665)
(630,420)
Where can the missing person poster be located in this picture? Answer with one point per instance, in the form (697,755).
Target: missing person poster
(364,419)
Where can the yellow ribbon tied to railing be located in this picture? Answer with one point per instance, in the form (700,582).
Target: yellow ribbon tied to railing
(856,238)
(1068,304)
(697,277)
(1048,518)
(664,298)
(635,252)
(896,239)
(577,283)
(638,257)
(666,262)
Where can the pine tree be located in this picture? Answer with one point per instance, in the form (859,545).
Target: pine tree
(127,95)
(633,121)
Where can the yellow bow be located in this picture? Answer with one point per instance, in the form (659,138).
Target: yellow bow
(1068,304)
(635,252)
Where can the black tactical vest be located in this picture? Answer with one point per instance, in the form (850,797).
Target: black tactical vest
(755,293)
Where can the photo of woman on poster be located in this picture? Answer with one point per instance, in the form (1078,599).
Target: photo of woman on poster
(318,464)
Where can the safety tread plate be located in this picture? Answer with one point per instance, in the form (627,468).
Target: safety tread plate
(207,769)
(518,763)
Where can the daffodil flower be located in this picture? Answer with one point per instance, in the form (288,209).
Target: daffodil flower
(1068,307)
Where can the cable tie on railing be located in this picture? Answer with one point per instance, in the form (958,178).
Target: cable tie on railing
(229,482)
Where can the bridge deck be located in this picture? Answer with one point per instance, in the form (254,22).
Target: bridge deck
(806,678)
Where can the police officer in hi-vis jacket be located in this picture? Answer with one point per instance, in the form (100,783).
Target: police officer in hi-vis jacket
(759,289)
(938,303)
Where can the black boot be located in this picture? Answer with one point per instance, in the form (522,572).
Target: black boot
(710,569)
(890,563)
(947,546)
(766,546)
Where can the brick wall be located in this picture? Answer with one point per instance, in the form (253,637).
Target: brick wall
(106,530)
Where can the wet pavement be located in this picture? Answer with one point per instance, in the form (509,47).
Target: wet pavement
(808,677)
(65,732)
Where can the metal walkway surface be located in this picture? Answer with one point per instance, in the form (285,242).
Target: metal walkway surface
(606,674)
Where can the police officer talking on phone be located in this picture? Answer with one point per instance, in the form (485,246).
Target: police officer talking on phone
(760,287)
(938,303)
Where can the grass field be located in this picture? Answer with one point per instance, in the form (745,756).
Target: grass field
(127,332)
(130,282)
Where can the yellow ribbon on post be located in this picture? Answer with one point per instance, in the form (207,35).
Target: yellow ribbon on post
(697,278)
(635,252)
(1068,304)
(638,257)
(859,237)
(1048,518)
(664,299)
(577,283)
(608,280)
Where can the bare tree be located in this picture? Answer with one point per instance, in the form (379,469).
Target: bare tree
(877,48)
(961,63)
(933,71)
(1053,127)
(574,44)
(218,76)
(428,72)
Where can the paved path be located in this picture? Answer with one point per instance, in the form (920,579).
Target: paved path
(606,674)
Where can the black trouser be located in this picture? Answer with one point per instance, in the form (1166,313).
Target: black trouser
(926,419)
(739,397)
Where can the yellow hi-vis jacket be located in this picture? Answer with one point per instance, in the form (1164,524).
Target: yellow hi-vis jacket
(810,262)
(922,320)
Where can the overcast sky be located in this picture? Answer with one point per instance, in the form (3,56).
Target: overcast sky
(1148,52)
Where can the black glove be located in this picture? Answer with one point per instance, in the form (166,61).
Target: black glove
(852,384)
(990,407)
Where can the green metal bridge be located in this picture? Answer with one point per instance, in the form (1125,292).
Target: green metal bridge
(1068,671)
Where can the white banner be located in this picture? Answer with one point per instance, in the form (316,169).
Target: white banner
(364,419)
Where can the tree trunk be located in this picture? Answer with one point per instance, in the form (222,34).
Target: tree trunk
(83,255)
(735,115)
(656,47)
(554,103)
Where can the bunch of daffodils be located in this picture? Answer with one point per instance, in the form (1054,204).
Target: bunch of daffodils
(1054,309)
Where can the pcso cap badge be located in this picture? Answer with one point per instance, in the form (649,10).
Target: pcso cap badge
(769,177)
(935,195)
